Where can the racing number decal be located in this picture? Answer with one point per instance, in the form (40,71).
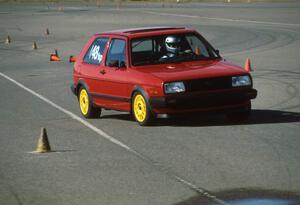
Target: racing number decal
(95,53)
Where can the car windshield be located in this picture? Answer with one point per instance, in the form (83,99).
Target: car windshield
(171,48)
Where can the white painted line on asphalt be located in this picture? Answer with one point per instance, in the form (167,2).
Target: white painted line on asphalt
(221,19)
(72,115)
(115,141)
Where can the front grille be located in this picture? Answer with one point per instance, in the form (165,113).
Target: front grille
(207,100)
(207,84)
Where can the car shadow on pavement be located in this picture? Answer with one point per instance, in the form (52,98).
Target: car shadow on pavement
(123,117)
(204,120)
(257,117)
(246,197)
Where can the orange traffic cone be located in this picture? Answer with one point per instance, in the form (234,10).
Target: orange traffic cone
(43,143)
(72,59)
(197,51)
(54,57)
(247,66)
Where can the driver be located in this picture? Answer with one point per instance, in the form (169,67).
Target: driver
(173,46)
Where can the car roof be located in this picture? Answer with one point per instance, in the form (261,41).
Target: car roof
(146,31)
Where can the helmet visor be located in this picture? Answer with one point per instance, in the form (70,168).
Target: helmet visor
(173,45)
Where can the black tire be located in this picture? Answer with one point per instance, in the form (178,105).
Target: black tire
(87,109)
(140,109)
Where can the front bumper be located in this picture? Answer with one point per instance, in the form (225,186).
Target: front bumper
(203,101)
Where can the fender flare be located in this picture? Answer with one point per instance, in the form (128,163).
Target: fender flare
(80,84)
(144,93)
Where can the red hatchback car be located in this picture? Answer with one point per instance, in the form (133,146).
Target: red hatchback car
(157,72)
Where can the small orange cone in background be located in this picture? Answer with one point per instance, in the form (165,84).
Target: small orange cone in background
(43,145)
(34,45)
(72,59)
(8,40)
(54,57)
(47,32)
(248,66)
(197,51)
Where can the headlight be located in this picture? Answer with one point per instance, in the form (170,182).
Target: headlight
(239,81)
(175,87)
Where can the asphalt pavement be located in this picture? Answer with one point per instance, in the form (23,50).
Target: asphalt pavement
(112,160)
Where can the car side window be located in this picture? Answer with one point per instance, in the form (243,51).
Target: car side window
(117,52)
(95,52)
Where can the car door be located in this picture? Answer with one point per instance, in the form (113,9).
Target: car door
(114,76)
(91,66)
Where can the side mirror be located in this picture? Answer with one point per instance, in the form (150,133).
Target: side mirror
(218,52)
(113,63)
(122,64)
(117,64)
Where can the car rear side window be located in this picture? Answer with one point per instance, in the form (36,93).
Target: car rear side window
(95,52)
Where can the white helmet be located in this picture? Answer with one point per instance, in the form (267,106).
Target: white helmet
(172,44)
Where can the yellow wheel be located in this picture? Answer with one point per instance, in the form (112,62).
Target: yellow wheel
(140,109)
(84,101)
(86,106)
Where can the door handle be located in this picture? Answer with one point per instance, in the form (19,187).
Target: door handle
(102,72)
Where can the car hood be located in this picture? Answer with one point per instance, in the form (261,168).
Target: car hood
(192,70)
